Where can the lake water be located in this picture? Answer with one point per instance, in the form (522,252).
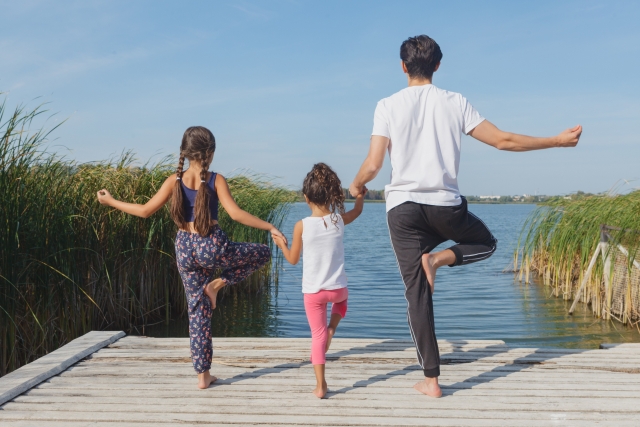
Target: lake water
(477,301)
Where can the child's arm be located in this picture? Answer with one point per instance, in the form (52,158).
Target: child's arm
(292,255)
(237,214)
(349,217)
(143,211)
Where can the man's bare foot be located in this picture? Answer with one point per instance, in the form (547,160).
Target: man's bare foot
(321,390)
(330,332)
(429,387)
(211,290)
(430,268)
(205,380)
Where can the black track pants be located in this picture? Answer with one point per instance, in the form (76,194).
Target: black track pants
(417,229)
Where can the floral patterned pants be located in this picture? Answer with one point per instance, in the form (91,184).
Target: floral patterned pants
(198,257)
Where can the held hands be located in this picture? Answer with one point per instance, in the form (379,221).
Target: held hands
(570,137)
(280,242)
(278,237)
(104,197)
(357,190)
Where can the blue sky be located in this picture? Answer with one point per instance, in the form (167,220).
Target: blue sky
(285,84)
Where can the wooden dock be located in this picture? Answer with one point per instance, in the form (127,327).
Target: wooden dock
(145,382)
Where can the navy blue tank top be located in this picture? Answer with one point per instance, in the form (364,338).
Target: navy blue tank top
(189,199)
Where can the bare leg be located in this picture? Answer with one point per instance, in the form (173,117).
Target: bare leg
(429,387)
(331,329)
(321,385)
(205,379)
(431,262)
(211,290)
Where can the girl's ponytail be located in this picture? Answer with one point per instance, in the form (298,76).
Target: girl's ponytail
(202,222)
(177,209)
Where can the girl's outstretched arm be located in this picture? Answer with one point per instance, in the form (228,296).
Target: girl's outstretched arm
(291,255)
(146,210)
(354,213)
(237,214)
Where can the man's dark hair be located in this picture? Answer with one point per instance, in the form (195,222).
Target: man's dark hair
(420,55)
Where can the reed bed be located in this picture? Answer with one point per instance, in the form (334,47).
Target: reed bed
(69,265)
(559,238)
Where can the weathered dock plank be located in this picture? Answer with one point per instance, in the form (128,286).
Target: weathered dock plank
(142,381)
(25,378)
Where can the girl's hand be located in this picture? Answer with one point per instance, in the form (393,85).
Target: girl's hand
(104,197)
(275,233)
(279,241)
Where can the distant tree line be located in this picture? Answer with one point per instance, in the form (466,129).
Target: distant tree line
(378,195)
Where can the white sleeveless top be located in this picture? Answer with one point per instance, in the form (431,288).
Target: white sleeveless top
(322,254)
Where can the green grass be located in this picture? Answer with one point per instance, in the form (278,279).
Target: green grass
(69,265)
(559,239)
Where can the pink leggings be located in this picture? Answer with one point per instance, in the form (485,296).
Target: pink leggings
(316,307)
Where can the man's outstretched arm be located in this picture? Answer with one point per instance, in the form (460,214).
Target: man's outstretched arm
(488,133)
(371,165)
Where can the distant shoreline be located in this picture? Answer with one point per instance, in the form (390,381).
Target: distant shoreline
(470,202)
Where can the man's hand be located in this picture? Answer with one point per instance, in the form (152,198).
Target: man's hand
(356,190)
(570,137)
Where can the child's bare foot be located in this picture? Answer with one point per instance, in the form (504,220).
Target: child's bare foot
(330,332)
(321,390)
(211,290)
(331,329)
(205,380)
(428,264)
(429,387)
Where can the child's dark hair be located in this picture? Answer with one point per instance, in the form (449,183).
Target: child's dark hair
(198,144)
(323,188)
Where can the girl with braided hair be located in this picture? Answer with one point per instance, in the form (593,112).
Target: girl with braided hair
(323,276)
(201,246)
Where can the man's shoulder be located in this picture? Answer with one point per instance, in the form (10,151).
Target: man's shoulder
(402,94)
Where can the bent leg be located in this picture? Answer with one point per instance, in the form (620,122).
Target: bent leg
(242,259)
(338,312)
(339,302)
(474,240)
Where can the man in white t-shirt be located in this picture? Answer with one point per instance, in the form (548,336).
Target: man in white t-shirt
(421,127)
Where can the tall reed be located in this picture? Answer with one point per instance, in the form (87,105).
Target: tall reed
(69,265)
(559,238)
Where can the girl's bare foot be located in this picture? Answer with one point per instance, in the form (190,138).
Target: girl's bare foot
(321,385)
(331,329)
(429,387)
(205,380)
(330,332)
(321,390)
(211,290)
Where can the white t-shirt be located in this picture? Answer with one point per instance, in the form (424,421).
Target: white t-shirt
(424,125)
(322,254)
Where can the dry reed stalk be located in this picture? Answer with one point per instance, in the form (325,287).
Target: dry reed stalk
(558,239)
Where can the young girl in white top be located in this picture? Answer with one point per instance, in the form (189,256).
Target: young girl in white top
(323,277)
